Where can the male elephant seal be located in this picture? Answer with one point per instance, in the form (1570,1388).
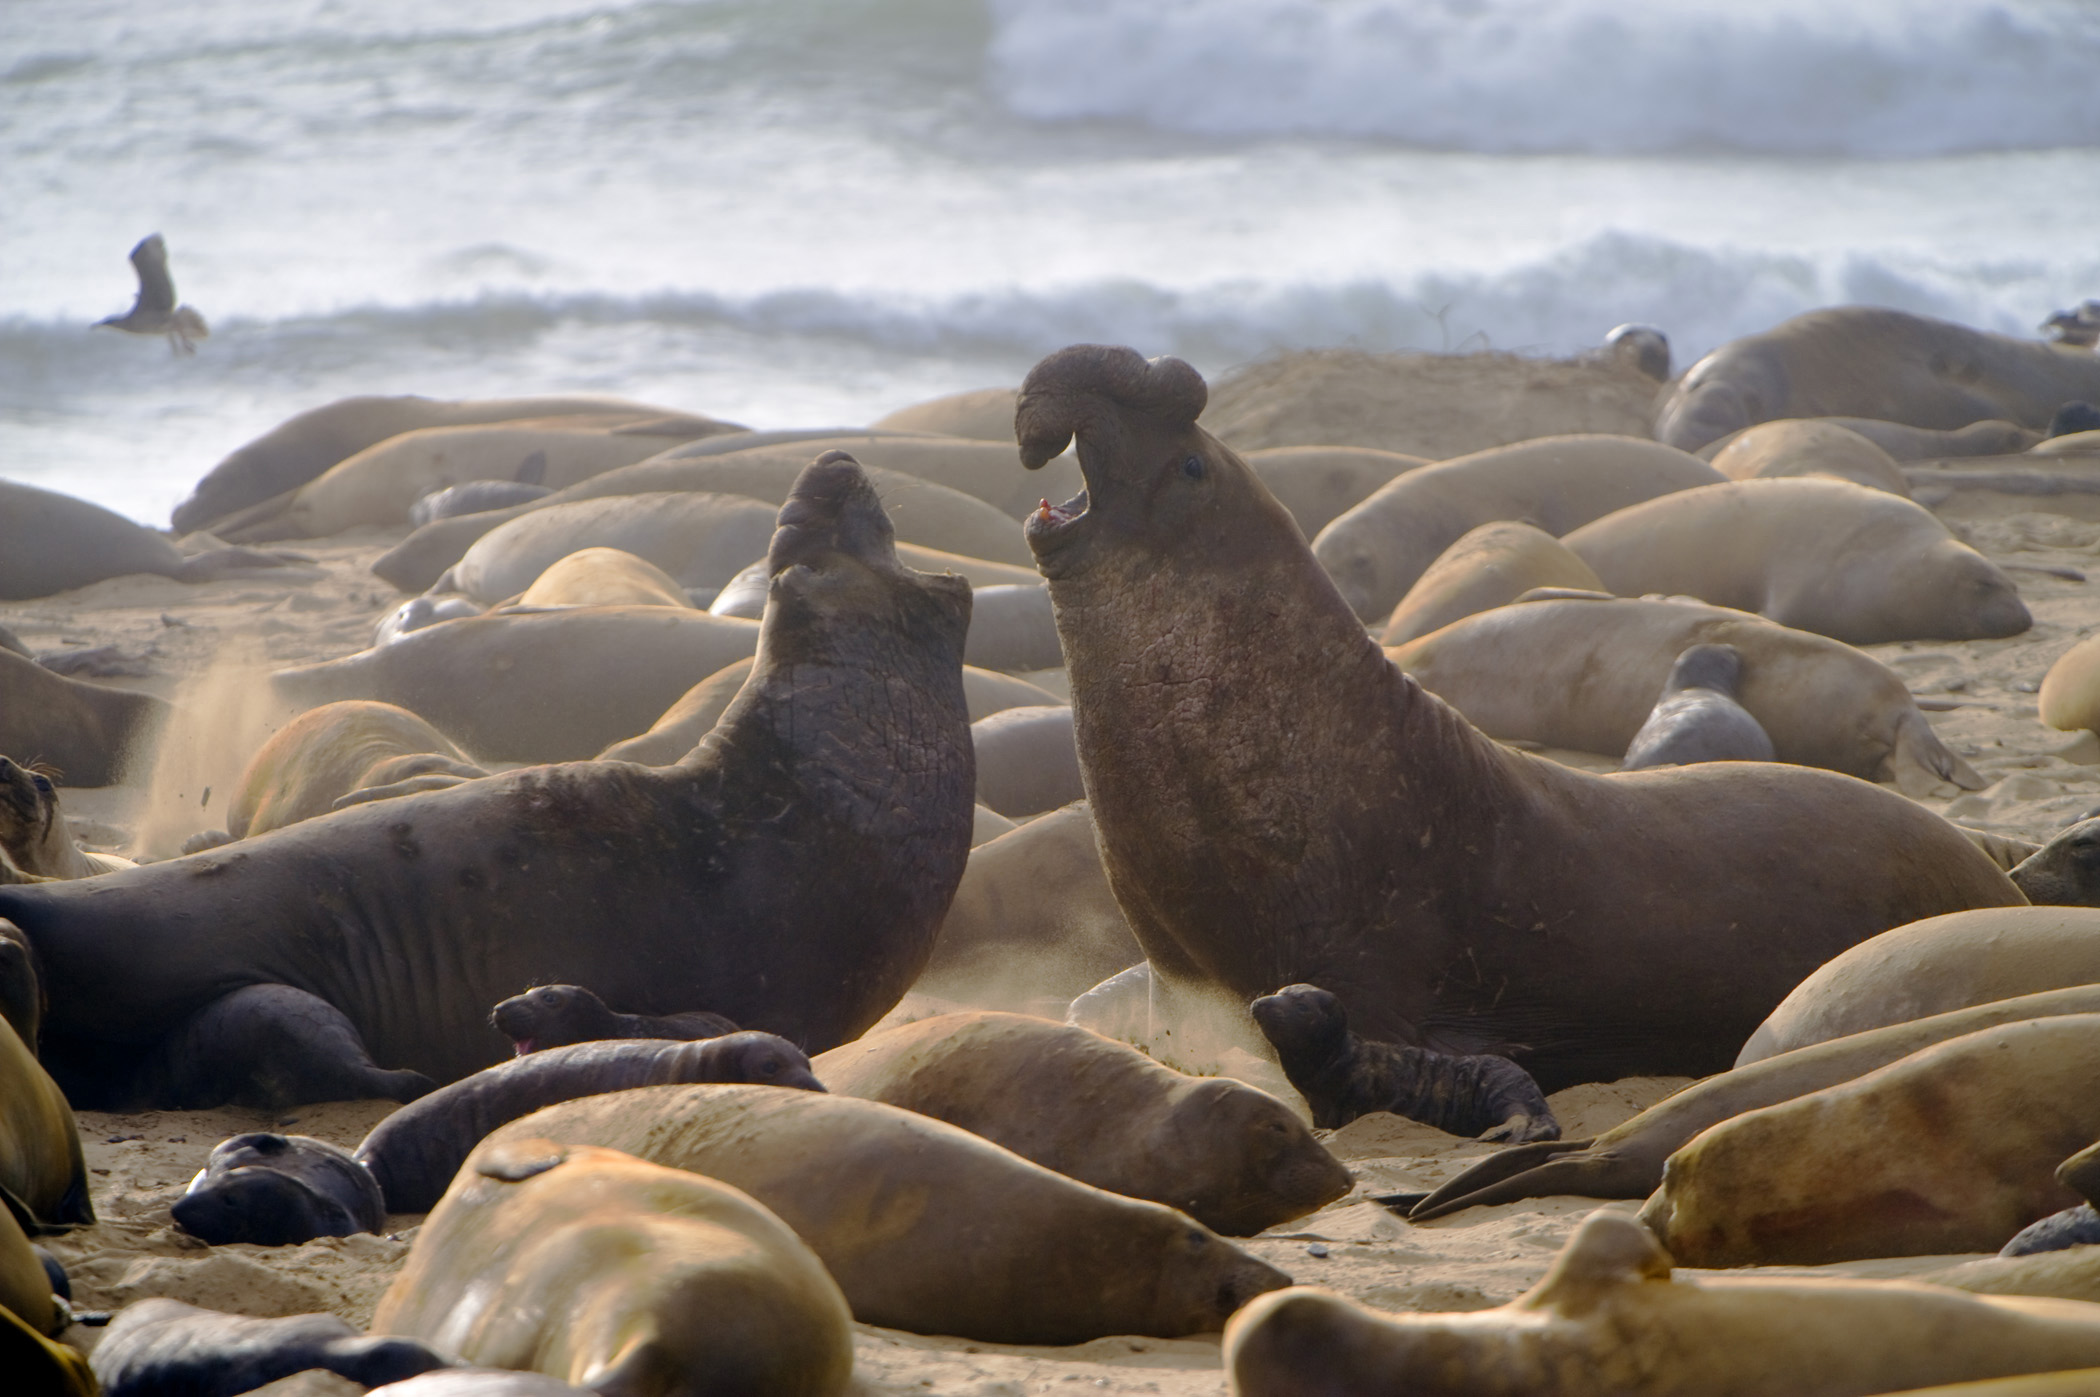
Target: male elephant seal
(52,543)
(1862,361)
(279,1191)
(1231,1157)
(925,1226)
(1488,567)
(827,815)
(1342,1077)
(34,836)
(1277,803)
(1698,718)
(602,1269)
(1822,555)
(156,1347)
(1815,446)
(1609,1320)
(415,1152)
(554,1016)
(1951,1149)
(2065,872)
(330,753)
(88,733)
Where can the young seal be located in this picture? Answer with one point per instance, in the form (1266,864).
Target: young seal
(34,835)
(925,1226)
(325,754)
(1698,718)
(1026,761)
(598,1268)
(415,1152)
(555,1016)
(1231,1157)
(156,1347)
(828,815)
(1487,567)
(1609,1320)
(699,539)
(1277,803)
(610,577)
(1816,446)
(2073,1227)
(1342,1076)
(90,734)
(2070,694)
(473,497)
(2065,872)
(279,1191)
(52,543)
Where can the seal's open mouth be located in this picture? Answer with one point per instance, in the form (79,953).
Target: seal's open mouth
(1049,520)
(522,1047)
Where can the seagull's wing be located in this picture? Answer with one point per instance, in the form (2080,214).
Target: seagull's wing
(156,289)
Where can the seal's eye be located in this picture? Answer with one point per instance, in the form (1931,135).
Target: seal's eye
(1193,468)
(43,783)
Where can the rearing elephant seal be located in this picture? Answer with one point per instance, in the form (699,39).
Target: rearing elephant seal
(1278,803)
(827,815)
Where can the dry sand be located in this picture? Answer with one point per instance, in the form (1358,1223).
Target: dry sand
(208,645)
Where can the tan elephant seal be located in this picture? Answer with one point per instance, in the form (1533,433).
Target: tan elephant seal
(1951,1149)
(701,540)
(1814,446)
(43,1174)
(925,1226)
(1317,484)
(91,735)
(600,1269)
(1487,567)
(1931,967)
(1379,549)
(2070,696)
(981,414)
(1610,1320)
(1863,361)
(325,754)
(1822,555)
(604,577)
(1905,443)
(1583,673)
(977,469)
(51,543)
(1027,762)
(1231,1157)
(34,835)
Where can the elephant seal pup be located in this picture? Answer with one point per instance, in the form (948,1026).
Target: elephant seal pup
(43,1173)
(1931,967)
(1342,1077)
(2070,695)
(1828,556)
(2065,872)
(1816,446)
(1378,550)
(827,815)
(1026,762)
(325,754)
(701,540)
(415,1152)
(90,734)
(598,1268)
(279,1191)
(473,497)
(555,1016)
(51,543)
(2073,1227)
(1231,1157)
(1317,484)
(1263,780)
(1862,361)
(161,1346)
(1698,718)
(1951,1149)
(418,612)
(34,836)
(1583,672)
(606,577)
(1488,567)
(1609,1320)
(925,1226)
(1627,1160)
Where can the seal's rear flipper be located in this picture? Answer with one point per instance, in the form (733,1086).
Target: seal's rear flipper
(230,562)
(1920,761)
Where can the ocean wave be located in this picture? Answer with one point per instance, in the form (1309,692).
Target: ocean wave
(1875,77)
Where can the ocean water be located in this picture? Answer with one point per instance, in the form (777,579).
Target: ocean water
(802,212)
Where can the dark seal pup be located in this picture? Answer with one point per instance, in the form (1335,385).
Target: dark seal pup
(791,872)
(554,1016)
(279,1191)
(1698,719)
(2073,1227)
(158,1347)
(1277,803)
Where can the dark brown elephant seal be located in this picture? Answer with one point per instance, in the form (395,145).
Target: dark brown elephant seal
(1277,803)
(334,751)
(1698,718)
(156,1347)
(87,733)
(828,815)
(1863,361)
(554,1016)
(1231,1157)
(278,1191)
(2065,872)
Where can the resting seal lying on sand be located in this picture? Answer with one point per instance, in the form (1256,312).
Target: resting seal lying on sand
(354,747)
(828,815)
(1698,718)
(2065,872)
(1278,803)
(279,1191)
(88,733)
(1812,446)
(1488,567)
(52,543)
(158,1346)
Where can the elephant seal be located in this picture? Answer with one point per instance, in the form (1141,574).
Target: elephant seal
(279,1191)
(1609,1320)
(418,612)
(481,1382)
(1011,628)
(474,497)
(981,414)
(1812,446)
(1951,1149)
(1992,437)
(2070,694)
(1642,347)
(701,540)
(745,594)
(2073,1227)
(1376,551)
(1627,1160)
(43,1173)
(1698,718)
(1263,780)
(1342,1077)
(1583,672)
(1026,760)
(88,733)
(1318,484)
(1487,567)
(1828,556)
(328,753)
(415,1152)
(1931,967)
(828,814)
(606,577)
(159,1346)
(34,836)
(302,448)
(1231,1157)
(30,1281)
(925,1226)
(51,543)
(596,1267)
(2065,872)
(555,1016)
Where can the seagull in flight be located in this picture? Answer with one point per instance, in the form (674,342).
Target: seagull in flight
(155,311)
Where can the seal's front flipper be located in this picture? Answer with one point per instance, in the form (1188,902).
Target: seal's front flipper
(270,1046)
